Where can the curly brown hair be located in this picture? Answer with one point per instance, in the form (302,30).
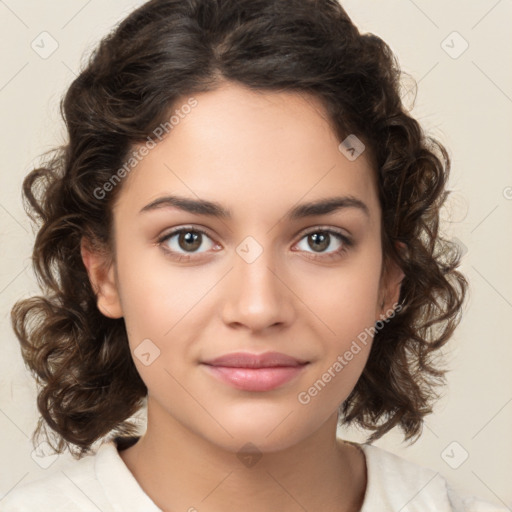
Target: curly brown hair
(166,49)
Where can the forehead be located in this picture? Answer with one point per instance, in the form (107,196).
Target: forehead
(252,151)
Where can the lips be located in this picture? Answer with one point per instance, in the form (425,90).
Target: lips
(255,372)
(248,360)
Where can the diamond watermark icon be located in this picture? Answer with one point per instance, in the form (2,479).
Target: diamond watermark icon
(460,245)
(146,352)
(352,147)
(43,455)
(454,45)
(249,455)
(45,45)
(249,249)
(454,455)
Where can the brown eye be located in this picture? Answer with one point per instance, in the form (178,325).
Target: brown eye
(181,242)
(189,240)
(321,239)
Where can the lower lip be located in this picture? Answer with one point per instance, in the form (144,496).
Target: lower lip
(255,379)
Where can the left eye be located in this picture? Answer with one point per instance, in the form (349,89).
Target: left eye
(319,240)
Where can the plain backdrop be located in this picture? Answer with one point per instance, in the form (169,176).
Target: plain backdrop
(459,53)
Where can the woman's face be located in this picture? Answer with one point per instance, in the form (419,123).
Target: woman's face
(273,275)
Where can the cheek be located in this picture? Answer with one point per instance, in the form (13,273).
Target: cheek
(345,298)
(345,302)
(157,299)
(155,293)
(347,309)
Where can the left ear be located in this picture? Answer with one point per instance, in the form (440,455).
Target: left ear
(390,285)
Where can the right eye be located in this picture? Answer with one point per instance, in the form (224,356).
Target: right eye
(186,239)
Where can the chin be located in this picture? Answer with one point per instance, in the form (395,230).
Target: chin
(268,433)
(256,442)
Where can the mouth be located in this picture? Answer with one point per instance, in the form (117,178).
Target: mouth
(249,360)
(255,372)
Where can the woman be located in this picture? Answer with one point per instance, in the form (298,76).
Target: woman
(269,136)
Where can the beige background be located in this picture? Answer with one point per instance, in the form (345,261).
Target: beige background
(465,101)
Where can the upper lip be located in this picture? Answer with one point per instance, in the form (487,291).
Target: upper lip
(248,360)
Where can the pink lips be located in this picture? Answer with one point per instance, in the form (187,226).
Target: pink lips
(255,372)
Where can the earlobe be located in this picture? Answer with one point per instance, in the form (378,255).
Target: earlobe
(101,271)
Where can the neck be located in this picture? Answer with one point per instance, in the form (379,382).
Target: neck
(180,470)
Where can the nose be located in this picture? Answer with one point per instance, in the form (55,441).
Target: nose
(257,296)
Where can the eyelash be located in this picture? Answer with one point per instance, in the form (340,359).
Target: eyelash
(347,243)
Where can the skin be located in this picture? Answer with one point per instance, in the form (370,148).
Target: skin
(258,154)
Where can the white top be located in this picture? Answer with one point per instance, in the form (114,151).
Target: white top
(102,482)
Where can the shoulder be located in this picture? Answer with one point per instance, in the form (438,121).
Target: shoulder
(74,488)
(395,483)
(101,481)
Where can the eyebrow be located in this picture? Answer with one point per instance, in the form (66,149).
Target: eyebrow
(214,209)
